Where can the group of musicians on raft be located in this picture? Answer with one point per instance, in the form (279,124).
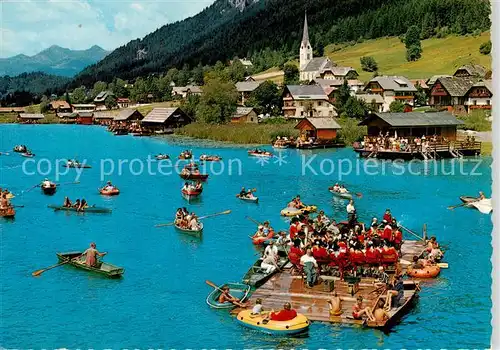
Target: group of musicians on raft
(186,220)
(320,241)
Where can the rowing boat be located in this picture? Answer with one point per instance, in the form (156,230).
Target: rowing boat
(256,276)
(19,149)
(10,195)
(28,155)
(162,157)
(294,211)
(483,205)
(237,290)
(345,195)
(185,155)
(103,268)
(49,190)
(411,289)
(7,213)
(191,193)
(468,199)
(195,233)
(112,192)
(86,210)
(205,158)
(76,165)
(190,176)
(248,199)
(260,154)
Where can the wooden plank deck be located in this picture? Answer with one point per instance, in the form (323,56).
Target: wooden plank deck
(312,302)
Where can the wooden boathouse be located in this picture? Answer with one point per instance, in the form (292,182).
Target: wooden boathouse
(285,286)
(318,132)
(431,135)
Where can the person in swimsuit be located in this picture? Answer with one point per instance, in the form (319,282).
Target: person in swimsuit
(91,255)
(335,305)
(67,203)
(225,297)
(358,311)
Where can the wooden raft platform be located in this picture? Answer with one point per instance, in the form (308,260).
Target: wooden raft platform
(312,302)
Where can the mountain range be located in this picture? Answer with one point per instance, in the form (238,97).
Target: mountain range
(55,60)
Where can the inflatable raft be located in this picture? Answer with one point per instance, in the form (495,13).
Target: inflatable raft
(299,324)
(426,272)
(112,192)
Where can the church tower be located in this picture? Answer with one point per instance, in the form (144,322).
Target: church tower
(306,51)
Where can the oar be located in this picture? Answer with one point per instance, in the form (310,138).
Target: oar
(213,285)
(253,220)
(18,206)
(413,233)
(29,189)
(69,183)
(39,272)
(359,195)
(459,205)
(201,217)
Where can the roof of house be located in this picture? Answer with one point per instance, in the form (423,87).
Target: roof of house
(127,113)
(395,83)
(11,109)
(59,104)
(421,82)
(307,92)
(487,83)
(319,64)
(368,98)
(247,86)
(102,96)
(85,114)
(161,115)
(242,111)
(342,71)
(433,79)
(104,115)
(31,116)
(415,119)
(457,86)
(474,70)
(322,123)
(328,82)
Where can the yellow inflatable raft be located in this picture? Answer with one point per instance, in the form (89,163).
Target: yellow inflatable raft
(298,325)
(295,211)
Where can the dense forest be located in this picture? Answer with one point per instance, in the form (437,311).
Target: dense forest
(219,33)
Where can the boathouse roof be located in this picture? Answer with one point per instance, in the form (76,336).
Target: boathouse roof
(104,115)
(411,119)
(31,116)
(320,123)
(125,114)
(161,115)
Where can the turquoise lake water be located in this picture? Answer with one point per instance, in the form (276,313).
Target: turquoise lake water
(160,302)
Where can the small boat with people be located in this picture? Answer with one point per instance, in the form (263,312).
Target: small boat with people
(186,154)
(340,191)
(209,158)
(259,153)
(28,154)
(281,143)
(429,271)
(481,203)
(73,163)
(48,187)
(109,190)
(239,291)
(258,274)
(262,322)
(296,207)
(188,223)
(80,206)
(7,213)
(192,190)
(20,148)
(162,156)
(78,260)
(247,195)
(187,174)
(265,233)
(191,166)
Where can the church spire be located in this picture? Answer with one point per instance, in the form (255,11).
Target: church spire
(305,35)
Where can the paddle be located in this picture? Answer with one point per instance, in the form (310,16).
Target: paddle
(253,220)
(460,205)
(18,206)
(69,183)
(213,285)
(39,272)
(199,218)
(26,191)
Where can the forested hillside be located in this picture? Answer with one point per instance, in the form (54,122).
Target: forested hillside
(222,32)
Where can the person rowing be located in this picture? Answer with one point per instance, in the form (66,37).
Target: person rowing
(4,202)
(46,183)
(109,186)
(91,255)
(67,202)
(83,205)
(226,297)
(244,193)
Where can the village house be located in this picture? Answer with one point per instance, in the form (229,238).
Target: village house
(479,96)
(165,120)
(392,88)
(245,115)
(128,116)
(186,91)
(29,118)
(84,107)
(449,93)
(471,70)
(245,89)
(60,106)
(301,101)
(375,101)
(311,67)
(100,99)
(318,133)
(330,85)
(123,102)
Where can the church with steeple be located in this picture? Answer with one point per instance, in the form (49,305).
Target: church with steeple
(311,67)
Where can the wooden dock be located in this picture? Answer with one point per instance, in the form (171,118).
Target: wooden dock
(313,302)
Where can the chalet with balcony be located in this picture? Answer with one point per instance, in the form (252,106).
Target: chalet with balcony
(479,96)
(471,70)
(300,101)
(245,89)
(449,93)
(392,88)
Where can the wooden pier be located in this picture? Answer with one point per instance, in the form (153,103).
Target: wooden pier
(313,302)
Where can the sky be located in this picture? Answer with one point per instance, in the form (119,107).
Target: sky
(30,26)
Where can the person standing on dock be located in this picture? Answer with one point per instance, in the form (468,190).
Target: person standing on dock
(310,265)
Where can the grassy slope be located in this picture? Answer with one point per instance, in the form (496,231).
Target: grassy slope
(440,56)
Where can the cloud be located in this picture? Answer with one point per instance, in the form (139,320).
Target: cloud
(79,24)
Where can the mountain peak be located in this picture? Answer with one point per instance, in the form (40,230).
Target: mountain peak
(241,5)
